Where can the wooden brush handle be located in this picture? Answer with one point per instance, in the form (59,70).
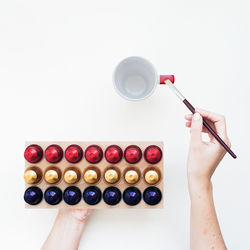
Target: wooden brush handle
(206,125)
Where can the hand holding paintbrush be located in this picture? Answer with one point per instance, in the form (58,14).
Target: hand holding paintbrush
(205,122)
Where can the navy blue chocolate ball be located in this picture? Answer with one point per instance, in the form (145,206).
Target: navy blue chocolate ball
(53,195)
(152,195)
(92,195)
(72,195)
(112,196)
(132,196)
(33,195)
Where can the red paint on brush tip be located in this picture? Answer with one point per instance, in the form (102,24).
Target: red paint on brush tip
(163,78)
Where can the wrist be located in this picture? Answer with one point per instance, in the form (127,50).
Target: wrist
(69,223)
(197,186)
(73,216)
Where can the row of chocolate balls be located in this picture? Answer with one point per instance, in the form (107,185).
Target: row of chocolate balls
(91,175)
(93,154)
(92,195)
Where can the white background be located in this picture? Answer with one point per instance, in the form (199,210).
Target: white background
(56,64)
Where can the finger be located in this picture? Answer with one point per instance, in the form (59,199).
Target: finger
(204,130)
(189,117)
(209,115)
(196,129)
(211,124)
(218,120)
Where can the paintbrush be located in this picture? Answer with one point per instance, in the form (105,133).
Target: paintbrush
(205,123)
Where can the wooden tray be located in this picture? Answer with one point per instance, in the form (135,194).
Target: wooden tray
(83,164)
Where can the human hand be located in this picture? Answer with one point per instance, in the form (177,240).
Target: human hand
(203,156)
(67,230)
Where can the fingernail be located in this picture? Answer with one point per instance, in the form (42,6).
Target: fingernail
(196,117)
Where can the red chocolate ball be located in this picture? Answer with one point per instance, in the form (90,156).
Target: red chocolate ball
(153,154)
(73,153)
(93,154)
(33,153)
(53,153)
(133,154)
(113,154)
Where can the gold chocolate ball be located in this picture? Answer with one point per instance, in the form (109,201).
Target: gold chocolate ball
(30,176)
(90,176)
(111,176)
(70,177)
(131,177)
(51,176)
(152,177)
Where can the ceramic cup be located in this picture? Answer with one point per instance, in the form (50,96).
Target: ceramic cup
(135,78)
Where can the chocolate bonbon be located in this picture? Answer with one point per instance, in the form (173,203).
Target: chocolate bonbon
(52,175)
(92,195)
(53,153)
(153,154)
(73,153)
(33,195)
(133,154)
(72,195)
(152,175)
(132,175)
(33,175)
(72,175)
(113,154)
(93,154)
(33,153)
(112,175)
(132,196)
(53,195)
(91,175)
(100,175)
(152,196)
(112,196)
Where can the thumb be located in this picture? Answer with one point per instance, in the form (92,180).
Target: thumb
(196,129)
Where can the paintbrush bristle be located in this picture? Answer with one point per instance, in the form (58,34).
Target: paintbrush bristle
(174,89)
(168,82)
